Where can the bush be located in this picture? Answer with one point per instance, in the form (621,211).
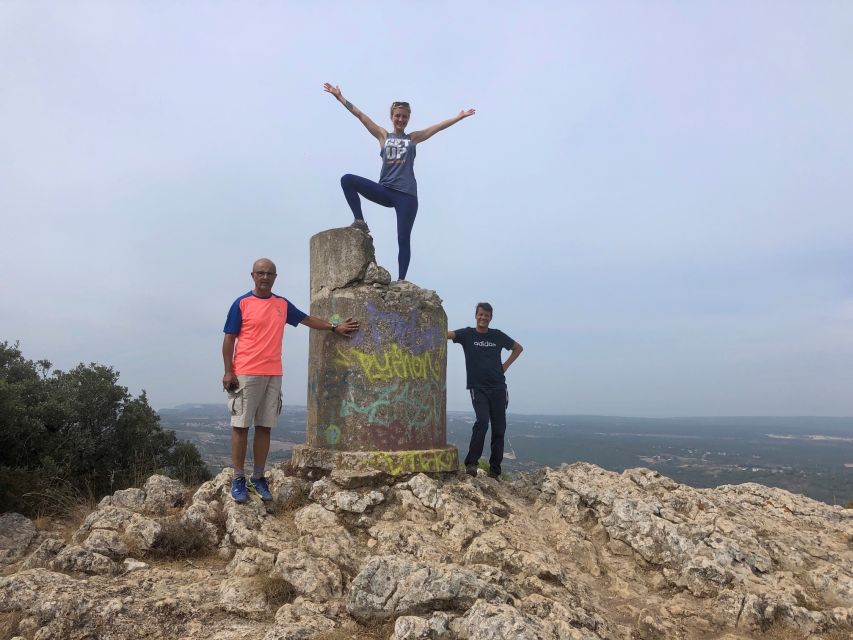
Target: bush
(179,539)
(78,433)
(276,590)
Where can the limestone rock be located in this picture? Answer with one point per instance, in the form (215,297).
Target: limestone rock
(133,499)
(44,553)
(241,596)
(79,559)
(486,620)
(393,586)
(294,622)
(106,542)
(415,628)
(426,490)
(116,531)
(322,535)
(159,495)
(574,553)
(331,496)
(16,534)
(288,492)
(251,561)
(315,578)
(130,564)
(163,493)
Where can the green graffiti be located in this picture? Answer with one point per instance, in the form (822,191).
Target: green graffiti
(419,413)
(332,434)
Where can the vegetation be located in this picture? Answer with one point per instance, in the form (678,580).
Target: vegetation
(9,622)
(277,591)
(374,631)
(78,435)
(483,464)
(179,540)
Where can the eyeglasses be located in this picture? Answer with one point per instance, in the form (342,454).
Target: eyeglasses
(261,274)
(394,105)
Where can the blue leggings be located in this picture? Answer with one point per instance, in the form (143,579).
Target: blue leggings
(404,204)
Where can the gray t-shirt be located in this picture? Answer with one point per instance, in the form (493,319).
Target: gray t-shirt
(398,164)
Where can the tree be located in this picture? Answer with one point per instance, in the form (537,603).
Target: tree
(78,433)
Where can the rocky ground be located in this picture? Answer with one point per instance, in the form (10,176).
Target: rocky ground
(573,553)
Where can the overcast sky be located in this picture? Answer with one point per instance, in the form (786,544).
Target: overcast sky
(656,197)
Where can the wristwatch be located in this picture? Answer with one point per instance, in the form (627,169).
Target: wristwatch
(333,327)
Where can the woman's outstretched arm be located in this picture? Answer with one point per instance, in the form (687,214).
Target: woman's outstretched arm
(375,130)
(429,132)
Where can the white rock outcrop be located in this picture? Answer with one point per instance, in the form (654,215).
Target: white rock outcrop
(574,553)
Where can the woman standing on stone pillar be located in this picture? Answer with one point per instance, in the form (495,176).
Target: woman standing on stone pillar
(397,186)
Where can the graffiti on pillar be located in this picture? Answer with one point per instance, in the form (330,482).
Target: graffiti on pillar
(398,436)
(421,409)
(380,327)
(383,389)
(393,363)
(328,384)
(415,461)
(332,434)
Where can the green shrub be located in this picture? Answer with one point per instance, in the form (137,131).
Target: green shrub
(78,433)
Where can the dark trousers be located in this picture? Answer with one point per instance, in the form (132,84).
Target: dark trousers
(489,406)
(404,204)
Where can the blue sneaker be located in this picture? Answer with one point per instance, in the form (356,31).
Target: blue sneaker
(261,487)
(238,489)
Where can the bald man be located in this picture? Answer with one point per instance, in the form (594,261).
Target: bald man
(251,352)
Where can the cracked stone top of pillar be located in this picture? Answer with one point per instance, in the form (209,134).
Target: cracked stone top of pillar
(341,258)
(344,257)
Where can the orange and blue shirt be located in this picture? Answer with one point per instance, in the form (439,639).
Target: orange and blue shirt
(258,324)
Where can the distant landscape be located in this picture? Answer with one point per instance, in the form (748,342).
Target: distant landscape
(808,455)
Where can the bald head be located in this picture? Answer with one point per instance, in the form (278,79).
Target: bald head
(263,264)
(263,275)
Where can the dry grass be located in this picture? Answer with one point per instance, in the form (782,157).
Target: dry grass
(179,540)
(276,590)
(781,631)
(376,631)
(9,622)
(62,510)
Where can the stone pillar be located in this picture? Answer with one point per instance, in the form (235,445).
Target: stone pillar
(377,401)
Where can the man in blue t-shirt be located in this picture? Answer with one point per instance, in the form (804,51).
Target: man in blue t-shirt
(487,385)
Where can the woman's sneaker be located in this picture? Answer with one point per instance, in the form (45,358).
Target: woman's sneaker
(361,225)
(261,487)
(238,489)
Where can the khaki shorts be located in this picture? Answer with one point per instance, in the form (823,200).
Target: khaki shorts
(257,399)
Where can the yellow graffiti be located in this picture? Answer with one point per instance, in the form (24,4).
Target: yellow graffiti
(393,363)
(401,463)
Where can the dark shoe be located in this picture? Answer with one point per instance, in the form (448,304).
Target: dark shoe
(238,490)
(494,475)
(260,486)
(471,470)
(361,225)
